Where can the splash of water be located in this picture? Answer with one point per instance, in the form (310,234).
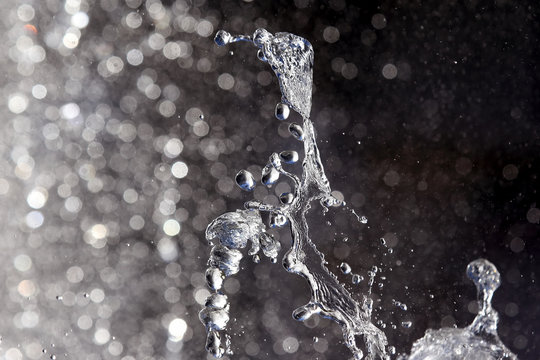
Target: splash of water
(291,58)
(479,340)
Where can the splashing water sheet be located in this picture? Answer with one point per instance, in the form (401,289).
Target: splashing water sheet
(291,59)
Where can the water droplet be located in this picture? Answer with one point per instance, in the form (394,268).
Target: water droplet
(216,301)
(59,297)
(269,175)
(244,179)
(296,131)
(256,258)
(222,38)
(345,268)
(53,357)
(363,220)
(282,111)
(315,339)
(406,324)
(201,116)
(289,156)
(286,198)
(214,278)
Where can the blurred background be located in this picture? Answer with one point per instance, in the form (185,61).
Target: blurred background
(123,126)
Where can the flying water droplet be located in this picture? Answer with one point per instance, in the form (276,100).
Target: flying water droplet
(282,111)
(406,324)
(277,220)
(245,180)
(260,55)
(345,268)
(269,176)
(222,38)
(216,301)
(289,156)
(225,259)
(296,131)
(357,279)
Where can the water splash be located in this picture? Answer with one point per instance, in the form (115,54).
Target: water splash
(291,58)
(479,340)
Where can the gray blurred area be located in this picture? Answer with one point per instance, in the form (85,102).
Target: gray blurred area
(122,126)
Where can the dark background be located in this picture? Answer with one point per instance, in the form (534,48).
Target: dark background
(441,157)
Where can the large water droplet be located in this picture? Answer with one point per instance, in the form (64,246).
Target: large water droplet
(282,111)
(296,131)
(214,278)
(245,180)
(286,198)
(289,156)
(345,268)
(269,176)
(225,259)
(217,301)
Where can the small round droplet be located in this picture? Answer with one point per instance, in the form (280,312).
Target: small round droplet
(256,258)
(286,198)
(363,220)
(289,156)
(345,268)
(201,116)
(245,180)
(59,297)
(222,38)
(296,131)
(357,279)
(282,111)
(53,357)
(315,339)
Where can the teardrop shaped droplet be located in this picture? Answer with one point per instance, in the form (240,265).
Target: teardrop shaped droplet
(289,156)
(245,180)
(269,176)
(296,131)
(282,111)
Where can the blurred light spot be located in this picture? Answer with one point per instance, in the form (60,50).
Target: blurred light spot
(80,20)
(200,295)
(37,198)
(17,103)
(378,21)
(331,34)
(26,12)
(39,91)
(533,215)
(136,222)
(510,172)
(114,64)
(30,319)
(70,111)
(75,274)
(517,245)
(226,81)
(171,227)
(26,288)
(167,249)
(167,108)
(290,345)
(173,148)
(102,336)
(97,295)
(134,57)
(391,178)
(179,169)
(22,262)
(389,71)
(84,322)
(34,219)
(133,20)
(13,354)
(177,329)
(115,348)
(99,231)
(172,50)
(70,40)
(349,71)
(205,28)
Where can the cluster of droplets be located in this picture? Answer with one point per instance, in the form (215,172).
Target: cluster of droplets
(291,58)
(228,234)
